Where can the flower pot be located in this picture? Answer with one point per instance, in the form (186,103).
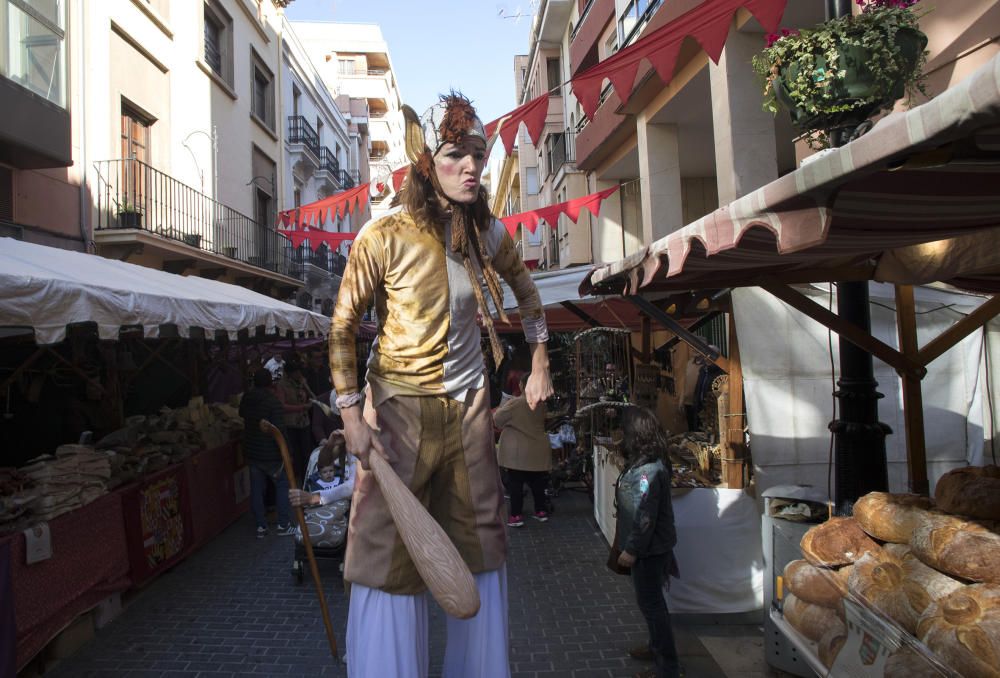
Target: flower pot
(130,220)
(859,94)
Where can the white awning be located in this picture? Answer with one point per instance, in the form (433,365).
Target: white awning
(47,288)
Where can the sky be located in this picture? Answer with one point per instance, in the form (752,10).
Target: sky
(438,45)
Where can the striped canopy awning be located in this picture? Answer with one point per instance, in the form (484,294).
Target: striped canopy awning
(913,201)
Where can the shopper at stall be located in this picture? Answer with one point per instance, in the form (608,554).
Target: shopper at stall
(262,454)
(296,398)
(424,265)
(647,535)
(525,454)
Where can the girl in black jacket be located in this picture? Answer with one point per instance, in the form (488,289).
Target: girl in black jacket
(646,533)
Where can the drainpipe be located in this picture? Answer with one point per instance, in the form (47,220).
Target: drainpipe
(76,36)
(859,452)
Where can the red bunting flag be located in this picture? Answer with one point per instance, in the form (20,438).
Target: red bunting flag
(532,114)
(708,23)
(317,213)
(315,237)
(550,214)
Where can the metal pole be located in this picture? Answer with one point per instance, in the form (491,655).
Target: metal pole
(859,454)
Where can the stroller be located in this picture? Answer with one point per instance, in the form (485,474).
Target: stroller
(327,527)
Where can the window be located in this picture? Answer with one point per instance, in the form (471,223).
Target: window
(531,180)
(296,95)
(633,18)
(319,130)
(34,56)
(218,46)
(263,187)
(135,134)
(262,100)
(345,66)
(552,75)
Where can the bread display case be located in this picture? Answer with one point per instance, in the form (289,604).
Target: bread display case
(901,589)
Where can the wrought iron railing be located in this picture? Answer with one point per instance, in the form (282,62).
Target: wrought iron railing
(560,149)
(328,161)
(322,258)
(301,132)
(132,194)
(349,178)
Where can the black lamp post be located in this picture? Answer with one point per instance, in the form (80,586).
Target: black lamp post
(859,453)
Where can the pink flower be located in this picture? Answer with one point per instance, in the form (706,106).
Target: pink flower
(775,37)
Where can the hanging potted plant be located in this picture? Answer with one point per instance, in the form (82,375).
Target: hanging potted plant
(846,70)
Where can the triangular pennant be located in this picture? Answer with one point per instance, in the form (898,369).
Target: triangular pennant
(623,78)
(712,36)
(664,61)
(767,12)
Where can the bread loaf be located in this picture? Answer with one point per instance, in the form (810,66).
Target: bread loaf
(962,548)
(880,581)
(831,644)
(838,541)
(936,584)
(906,663)
(817,585)
(812,621)
(890,517)
(963,630)
(972,491)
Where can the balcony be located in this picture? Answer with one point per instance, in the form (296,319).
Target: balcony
(140,208)
(329,170)
(303,140)
(560,149)
(349,179)
(323,260)
(583,46)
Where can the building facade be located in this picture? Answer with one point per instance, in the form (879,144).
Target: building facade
(355,62)
(678,151)
(158,132)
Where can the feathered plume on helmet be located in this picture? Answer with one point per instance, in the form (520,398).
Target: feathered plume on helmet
(450,120)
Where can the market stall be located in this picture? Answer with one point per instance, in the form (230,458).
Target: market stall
(138,470)
(913,201)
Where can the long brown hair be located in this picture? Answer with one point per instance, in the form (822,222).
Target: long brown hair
(420,197)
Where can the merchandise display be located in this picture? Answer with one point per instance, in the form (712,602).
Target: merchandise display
(904,587)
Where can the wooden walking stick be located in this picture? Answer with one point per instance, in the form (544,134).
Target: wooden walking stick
(437,560)
(286,458)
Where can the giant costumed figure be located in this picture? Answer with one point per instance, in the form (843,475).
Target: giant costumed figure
(426,406)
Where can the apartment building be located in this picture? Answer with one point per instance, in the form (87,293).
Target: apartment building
(320,150)
(678,151)
(355,62)
(158,132)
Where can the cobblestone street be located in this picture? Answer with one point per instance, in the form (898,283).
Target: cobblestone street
(234,609)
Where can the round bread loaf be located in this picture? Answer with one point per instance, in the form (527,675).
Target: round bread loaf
(880,581)
(812,621)
(962,548)
(836,542)
(907,663)
(890,517)
(972,491)
(817,585)
(935,584)
(963,630)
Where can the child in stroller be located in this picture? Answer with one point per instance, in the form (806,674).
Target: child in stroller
(327,502)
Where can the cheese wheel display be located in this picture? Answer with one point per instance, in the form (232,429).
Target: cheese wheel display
(959,547)
(817,585)
(972,491)
(963,630)
(836,542)
(890,517)
(812,621)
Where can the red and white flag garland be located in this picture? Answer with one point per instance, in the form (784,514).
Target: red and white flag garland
(550,215)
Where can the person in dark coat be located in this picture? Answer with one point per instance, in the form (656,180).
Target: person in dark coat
(262,453)
(647,534)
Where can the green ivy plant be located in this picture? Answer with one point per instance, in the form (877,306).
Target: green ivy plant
(845,70)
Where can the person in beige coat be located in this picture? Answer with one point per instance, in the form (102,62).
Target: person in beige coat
(525,454)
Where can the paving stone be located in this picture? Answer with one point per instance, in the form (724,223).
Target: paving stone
(233,608)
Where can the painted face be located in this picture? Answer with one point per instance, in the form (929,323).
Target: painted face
(328,473)
(459,168)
